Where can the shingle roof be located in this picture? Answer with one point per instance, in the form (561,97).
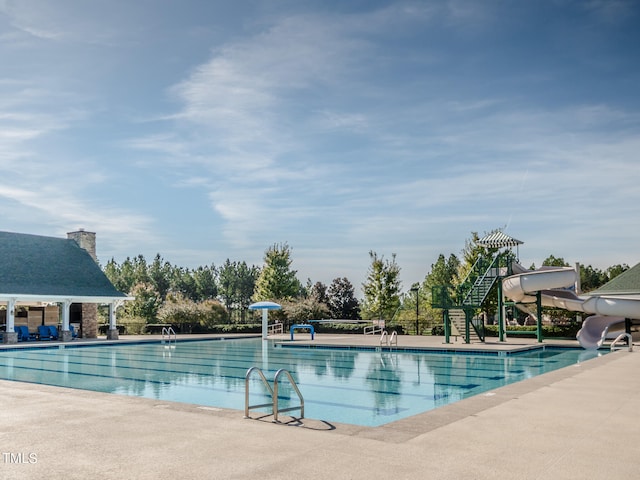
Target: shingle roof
(37,265)
(627,283)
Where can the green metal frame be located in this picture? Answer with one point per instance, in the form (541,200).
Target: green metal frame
(473,291)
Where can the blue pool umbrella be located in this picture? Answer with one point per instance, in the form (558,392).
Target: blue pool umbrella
(265,307)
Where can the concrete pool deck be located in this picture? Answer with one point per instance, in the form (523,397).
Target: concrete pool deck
(575,423)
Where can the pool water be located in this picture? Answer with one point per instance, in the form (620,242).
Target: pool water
(354,386)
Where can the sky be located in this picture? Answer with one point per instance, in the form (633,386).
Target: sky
(204,130)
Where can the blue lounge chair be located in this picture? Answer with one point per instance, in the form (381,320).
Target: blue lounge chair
(74,334)
(53,331)
(44,332)
(23,333)
(26,335)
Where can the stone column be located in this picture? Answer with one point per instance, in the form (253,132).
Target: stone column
(112,333)
(10,336)
(89,320)
(65,334)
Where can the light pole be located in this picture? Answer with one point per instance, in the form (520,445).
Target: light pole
(416,289)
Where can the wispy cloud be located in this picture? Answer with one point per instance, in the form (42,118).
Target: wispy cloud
(66,21)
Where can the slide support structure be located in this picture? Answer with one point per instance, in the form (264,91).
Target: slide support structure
(539,315)
(500,312)
(467,314)
(447,326)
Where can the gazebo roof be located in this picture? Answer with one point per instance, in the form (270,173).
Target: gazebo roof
(38,268)
(499,240)
(627,283)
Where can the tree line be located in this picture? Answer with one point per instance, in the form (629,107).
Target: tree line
(213,295)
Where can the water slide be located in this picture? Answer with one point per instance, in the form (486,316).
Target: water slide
(607,313)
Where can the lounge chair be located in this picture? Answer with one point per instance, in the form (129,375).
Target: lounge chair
(74,334)
(26,334)
(44,332)
(53,330)
(23,333)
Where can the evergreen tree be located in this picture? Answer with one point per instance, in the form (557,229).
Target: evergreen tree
(277,280)
(160,275)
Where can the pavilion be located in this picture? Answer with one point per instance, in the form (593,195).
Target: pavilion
(39,274)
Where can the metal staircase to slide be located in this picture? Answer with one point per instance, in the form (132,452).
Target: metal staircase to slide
(471,293)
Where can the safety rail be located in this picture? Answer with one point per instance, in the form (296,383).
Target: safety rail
(275,409)
(620,337)
(372,329)
(275,328)
(167,333)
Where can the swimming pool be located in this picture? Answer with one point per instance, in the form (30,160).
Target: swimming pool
(354,386)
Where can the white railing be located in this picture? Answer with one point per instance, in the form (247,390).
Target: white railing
(167,334)
(275,328)
(372,329)
(389,340)
(620,337)
(393,339)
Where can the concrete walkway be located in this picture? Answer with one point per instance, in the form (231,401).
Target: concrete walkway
(581,422)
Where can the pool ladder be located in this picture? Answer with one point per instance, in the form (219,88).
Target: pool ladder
(387,340)
(622,336)
(167,334)
(273,391)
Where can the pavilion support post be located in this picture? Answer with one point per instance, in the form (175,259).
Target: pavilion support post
(10,335)
(112,333)
(65,334)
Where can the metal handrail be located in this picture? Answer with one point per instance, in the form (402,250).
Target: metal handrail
(393,340)
(389,340)
(168,332)
(276,409)
(248,407)
(620,337)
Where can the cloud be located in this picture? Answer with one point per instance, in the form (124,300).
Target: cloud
(72,21)
(611,11)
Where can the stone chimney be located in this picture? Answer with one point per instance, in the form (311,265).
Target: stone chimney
(86,240)
(89,322)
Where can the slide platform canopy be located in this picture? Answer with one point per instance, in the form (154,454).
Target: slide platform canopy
(498,240)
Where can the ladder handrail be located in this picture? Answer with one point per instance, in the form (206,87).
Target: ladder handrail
(389,340)
(276,409)
(393,340)
(620,337)
(168,332)
(248,407)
